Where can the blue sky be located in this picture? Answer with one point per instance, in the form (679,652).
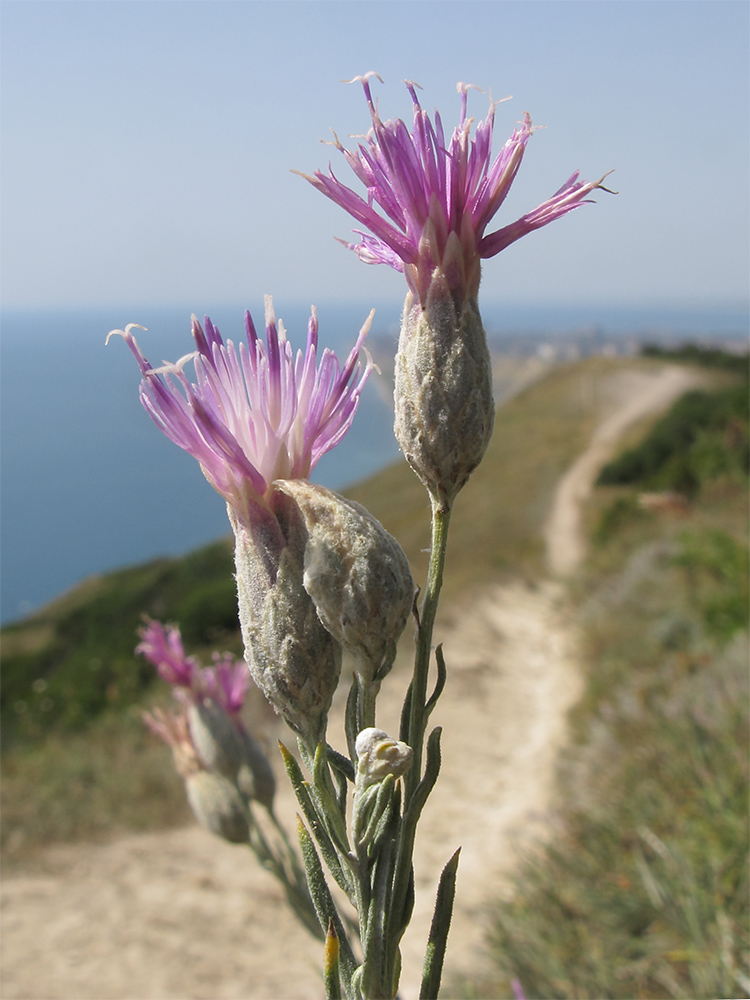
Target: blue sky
(147,146)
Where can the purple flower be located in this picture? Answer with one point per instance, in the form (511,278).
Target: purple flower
(172,727)
(226,682)
(163,647)
(257,413)
(515,985)
(205,730)
(429,201)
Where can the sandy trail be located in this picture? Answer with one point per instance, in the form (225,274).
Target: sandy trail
(180,914)
(636,395)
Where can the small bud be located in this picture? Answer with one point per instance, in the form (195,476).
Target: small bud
(214,737)
(225,746)
(217,806)
(378,755)
(357,576)
(443,389)
(293,659)
(380,761)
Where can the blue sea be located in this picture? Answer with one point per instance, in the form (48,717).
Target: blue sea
(88,482)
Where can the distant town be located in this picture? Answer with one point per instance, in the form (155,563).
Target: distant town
(520,357)
(598,341)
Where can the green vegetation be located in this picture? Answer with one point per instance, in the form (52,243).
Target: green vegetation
(77,760)
(707,357)
(643,889)
(73,661)
(81,786)
(704,435)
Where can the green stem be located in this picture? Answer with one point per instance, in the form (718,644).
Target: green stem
(368,693)
(417,718)
(416,732)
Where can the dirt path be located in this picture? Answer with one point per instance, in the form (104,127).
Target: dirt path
(180,914)
(633,395)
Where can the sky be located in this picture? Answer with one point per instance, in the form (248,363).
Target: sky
(148,146)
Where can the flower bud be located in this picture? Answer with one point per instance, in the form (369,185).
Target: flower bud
(443,389)
(293,659)
(357,576)
(378,755)
(225,746)
(217,806)
(380,762)
(214,737)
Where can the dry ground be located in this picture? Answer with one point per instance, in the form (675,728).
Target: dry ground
(180,914)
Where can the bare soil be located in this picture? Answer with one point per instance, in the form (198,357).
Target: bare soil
(180,914)
(633,396)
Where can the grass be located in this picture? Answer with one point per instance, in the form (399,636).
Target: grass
(73,661)
(81,786)
(644,890)
(704,436)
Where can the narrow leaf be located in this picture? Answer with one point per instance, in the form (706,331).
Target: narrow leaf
(351,720)
(431,772)
(329,801)
(374,968)
(323,901)
(331,951)
(317,824)
(439,683)
(342,786)
(438,939)
(340,763)
(403,733)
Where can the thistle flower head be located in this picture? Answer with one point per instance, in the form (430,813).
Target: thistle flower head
(215,801)
(162,646)
(255,413)
(430,200)
(226,682)
(206,732)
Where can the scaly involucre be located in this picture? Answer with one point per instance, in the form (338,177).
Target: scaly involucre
(436,198)
(257,413)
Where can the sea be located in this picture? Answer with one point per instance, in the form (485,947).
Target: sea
(89,484)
